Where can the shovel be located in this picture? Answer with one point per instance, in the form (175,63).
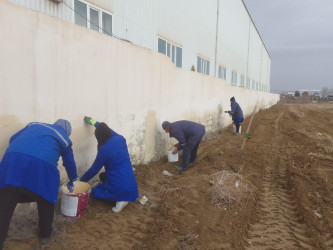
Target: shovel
(240,153)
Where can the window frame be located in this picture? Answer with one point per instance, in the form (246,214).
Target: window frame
(89,19)
(222,72)
(205,65)
(171,51)
(242,81)
(248,82)
(234,77)
(100,16)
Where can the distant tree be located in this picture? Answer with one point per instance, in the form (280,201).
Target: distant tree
(297,94)
(305,93)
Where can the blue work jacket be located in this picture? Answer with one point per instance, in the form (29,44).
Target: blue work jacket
(121,183)
(31,159)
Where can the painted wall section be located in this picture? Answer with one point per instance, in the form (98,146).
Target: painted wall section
(52,69)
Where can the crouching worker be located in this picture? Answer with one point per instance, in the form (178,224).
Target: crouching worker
(118,181)
(29,173)
(189,135)
(236,113)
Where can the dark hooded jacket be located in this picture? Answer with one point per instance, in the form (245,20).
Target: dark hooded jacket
(236,111)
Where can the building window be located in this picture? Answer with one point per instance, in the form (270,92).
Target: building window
(202,65)
(80,13)
(242,81)
(234,78)
(92,17)
(161,46)
(107,23)
(222,72)
(179,57)
(171,50)
(248,83)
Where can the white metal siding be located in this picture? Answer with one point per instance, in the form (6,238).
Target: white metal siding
(49,7)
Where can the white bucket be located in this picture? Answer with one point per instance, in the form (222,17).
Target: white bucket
(75,204)
(234,129)
(172,157)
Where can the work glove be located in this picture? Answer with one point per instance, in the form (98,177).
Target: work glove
(89,120)
(70,186)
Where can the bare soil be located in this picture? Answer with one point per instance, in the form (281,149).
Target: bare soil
(287,161)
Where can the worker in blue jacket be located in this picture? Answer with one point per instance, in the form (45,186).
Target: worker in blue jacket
(118,181)
(29,173)
(189,135)
(236,113)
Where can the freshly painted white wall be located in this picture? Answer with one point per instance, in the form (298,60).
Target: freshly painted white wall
(54,69)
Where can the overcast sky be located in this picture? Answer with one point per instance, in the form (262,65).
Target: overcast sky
(299,37)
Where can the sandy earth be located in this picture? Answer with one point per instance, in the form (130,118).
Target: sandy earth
(288,163)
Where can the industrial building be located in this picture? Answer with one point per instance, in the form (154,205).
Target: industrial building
(132,64)
(217,38)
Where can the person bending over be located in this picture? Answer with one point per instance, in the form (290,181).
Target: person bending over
(189,135)
(29,173)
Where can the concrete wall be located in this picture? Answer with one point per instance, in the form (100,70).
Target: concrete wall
(52,69)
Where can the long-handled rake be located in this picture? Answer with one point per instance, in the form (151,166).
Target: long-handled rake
(240,153)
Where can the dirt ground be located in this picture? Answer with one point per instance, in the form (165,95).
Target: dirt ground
(287,167)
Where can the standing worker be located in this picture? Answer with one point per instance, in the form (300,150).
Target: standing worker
(29,173)
(236,113)
(118,181)
(189,135)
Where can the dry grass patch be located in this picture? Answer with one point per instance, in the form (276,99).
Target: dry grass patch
(229,188)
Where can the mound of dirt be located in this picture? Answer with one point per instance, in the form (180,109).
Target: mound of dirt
(287,161)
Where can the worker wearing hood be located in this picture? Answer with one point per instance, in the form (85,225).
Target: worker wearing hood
(29,173)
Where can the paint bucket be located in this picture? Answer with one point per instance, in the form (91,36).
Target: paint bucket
(234,129)
(75,204)
(172,157)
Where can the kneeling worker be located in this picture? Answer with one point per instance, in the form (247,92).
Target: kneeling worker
(118,181)
(189,135)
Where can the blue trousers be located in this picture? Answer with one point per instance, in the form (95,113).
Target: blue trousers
(237,122)
(189,155)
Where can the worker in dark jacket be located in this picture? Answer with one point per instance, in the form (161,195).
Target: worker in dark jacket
(29,173)
(189,135)
(236,113)
(118,180)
